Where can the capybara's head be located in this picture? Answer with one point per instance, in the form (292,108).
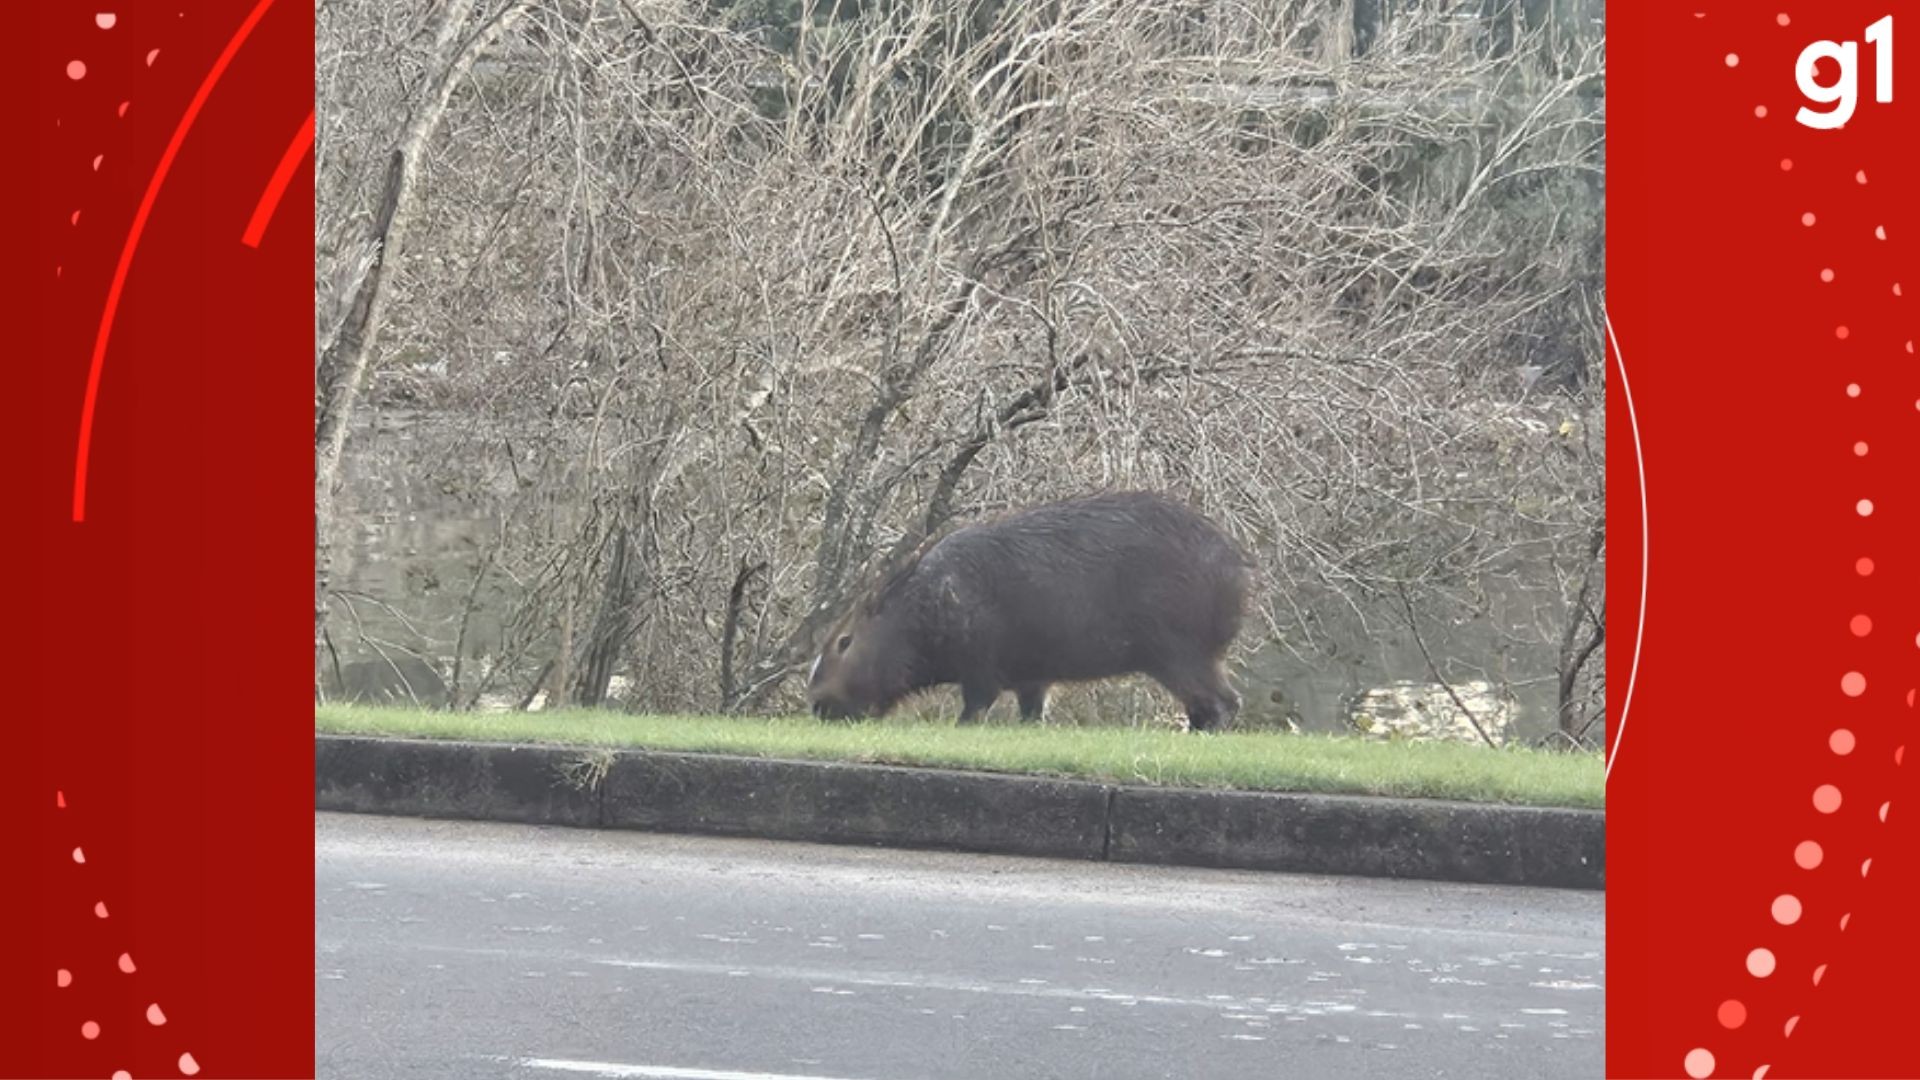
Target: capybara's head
(870,657)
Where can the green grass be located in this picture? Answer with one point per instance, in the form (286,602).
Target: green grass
(1247,762)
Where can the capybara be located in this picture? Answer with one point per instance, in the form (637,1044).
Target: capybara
(1088,588)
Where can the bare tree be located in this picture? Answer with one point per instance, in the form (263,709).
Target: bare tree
(724,311)
(346,343)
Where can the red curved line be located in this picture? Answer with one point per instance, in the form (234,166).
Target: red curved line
(277,186)
(133,243)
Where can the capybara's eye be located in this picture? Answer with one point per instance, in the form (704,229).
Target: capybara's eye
(845,640)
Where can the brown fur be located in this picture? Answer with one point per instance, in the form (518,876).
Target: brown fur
(1089,588)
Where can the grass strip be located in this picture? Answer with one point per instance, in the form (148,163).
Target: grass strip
(1254,761)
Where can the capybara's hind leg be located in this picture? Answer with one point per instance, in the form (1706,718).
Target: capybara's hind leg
(976,698)
(1033,701)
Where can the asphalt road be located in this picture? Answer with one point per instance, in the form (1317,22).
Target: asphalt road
(488,951)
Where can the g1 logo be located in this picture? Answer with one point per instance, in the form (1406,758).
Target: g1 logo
(1844,93)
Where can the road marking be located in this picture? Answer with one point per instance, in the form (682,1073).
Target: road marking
(654,1072)
(902,981)
(838,979)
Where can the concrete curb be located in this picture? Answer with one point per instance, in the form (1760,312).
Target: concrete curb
(1367,837)
(536,785)
(823,802)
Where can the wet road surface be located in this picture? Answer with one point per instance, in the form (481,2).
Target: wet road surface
(481,951)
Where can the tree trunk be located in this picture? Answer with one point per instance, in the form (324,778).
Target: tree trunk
(730,633)
(1574,654)
(562,679)
(340,368)
(613,625)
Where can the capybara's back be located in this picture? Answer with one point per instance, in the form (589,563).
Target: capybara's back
(1100,586)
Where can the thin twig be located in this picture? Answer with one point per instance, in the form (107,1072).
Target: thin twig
(1413,624)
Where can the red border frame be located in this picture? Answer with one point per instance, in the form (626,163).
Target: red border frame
(1753,376)
(161,687)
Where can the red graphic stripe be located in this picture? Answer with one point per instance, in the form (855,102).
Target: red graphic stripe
(133,243)
(277,187)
